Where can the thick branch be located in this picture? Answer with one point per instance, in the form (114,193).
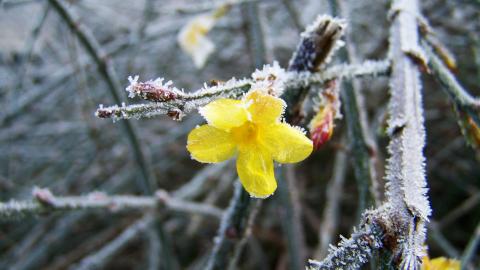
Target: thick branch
(406,183)
(399,225)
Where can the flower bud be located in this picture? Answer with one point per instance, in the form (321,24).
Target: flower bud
(321,126)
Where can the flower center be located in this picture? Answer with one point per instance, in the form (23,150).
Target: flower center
(245,134)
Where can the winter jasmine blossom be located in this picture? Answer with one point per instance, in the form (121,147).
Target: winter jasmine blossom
(251,130)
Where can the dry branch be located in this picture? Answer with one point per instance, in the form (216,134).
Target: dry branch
(398,225)
(45,202)
(86,38)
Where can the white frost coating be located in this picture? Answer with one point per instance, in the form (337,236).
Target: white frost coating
(406,172)
(271,78)
(136,88)
(217,89)
(320,20)
(131,88)
(406,182)
(372,68)
(326,32)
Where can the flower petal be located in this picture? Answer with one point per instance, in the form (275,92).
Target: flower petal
(287,144)
(443,263)
(193,39)
(264,108)
(255,170)
(209,144)
(225,113)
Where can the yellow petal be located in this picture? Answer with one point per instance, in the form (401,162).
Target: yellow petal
(224,113)
(286,143)
(208,144)
(255,170)
(193,39)
(264,108)
(442,263)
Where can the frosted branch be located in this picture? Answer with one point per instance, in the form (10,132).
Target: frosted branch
(406,184)
(45,202)
(169,100)
(352,253)
(399,225)
(107,71)
(233,228)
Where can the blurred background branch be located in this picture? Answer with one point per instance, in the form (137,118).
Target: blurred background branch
(60,59)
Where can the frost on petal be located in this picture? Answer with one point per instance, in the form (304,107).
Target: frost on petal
(224,113)
(264,108)
(255,170)
(194,41)
(209,144)
(287,144)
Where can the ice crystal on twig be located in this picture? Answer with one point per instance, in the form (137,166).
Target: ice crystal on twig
(153,90)
(353,252)
(271,78)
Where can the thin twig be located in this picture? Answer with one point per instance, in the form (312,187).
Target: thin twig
(241,244)
(45,202)
(232,230)
(182,103)
(331,212)
(362,145)
(455,91)
(292,12)
(460,210)
(147,183)
(98,259)
(290,217)
(254,34)
(469,253)
(31,44)
(436,235)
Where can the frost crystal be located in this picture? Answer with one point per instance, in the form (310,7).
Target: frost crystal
(271,78)
(153,90)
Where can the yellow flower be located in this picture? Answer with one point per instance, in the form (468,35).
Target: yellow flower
(440,263)
(252,129)
(193,36)
(193,39)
